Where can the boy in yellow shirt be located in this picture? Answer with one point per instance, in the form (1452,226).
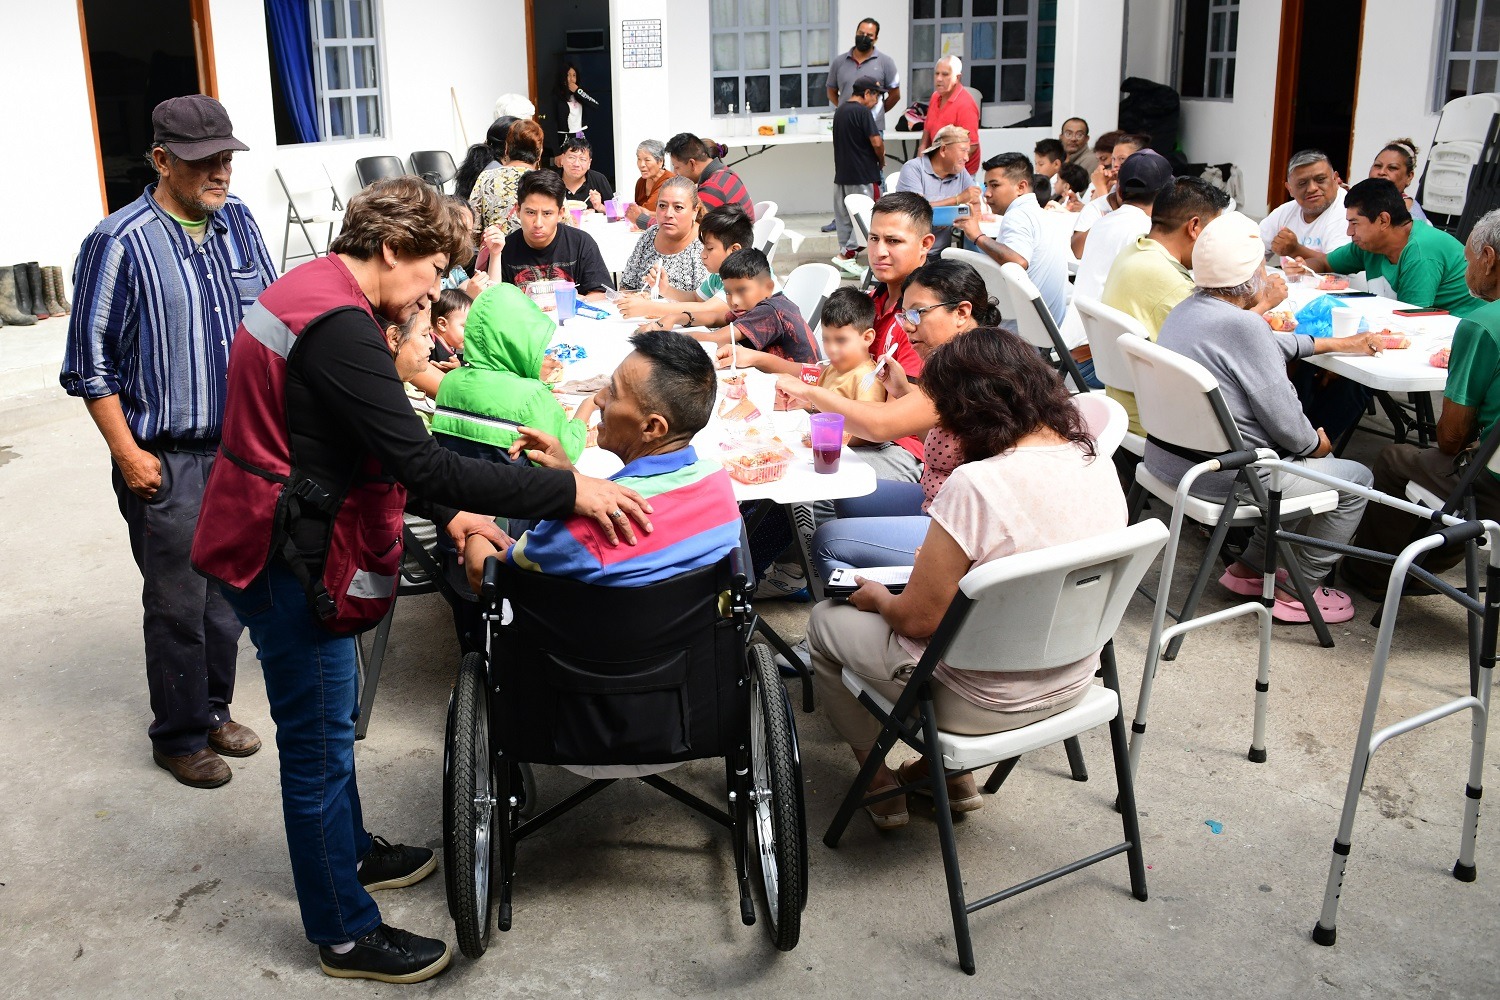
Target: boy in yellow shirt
(848,333)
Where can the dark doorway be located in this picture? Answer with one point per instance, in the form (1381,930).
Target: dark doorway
(139,54)
(576,31)
(1316,85)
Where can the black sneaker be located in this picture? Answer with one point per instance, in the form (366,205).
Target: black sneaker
(390,955)
(395,866)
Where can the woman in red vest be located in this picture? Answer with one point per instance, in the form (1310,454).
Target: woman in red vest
(301,525)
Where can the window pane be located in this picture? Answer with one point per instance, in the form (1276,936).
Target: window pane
(984,8)
(791,48)
(1484,76)
(1013,40)
(1046,10)
(369,115)
(1217,27)
(818,46)
(726,95)
(1458,79)
(757,11)
(1234,30)
(336,68)
(924,8)
(364,67)
(921,83)
(983,46)
(758,93)
(757,50)
(817,90)
(953,8)
(725,13)
(1046,42)
(923,43)
(791,91)
(359,19)
(816,12)
(1463,25)
(330,10)
(338,118)
(982,79)
(1015,6)
(1489,28)
(791,13)
(1229,78)
(726,51)
(1012,84)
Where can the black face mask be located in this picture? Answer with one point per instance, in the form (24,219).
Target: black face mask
(864,43)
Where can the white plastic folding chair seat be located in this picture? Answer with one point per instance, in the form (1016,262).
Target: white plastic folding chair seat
(1099,705)
(309,191)
(765,210)
(1106,420)
(1246,513)
(1422,495)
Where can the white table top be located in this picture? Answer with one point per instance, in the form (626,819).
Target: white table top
(1405,370)
(616,240)
(803,138)
(607,343)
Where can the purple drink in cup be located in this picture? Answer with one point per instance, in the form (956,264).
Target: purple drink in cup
(827,441)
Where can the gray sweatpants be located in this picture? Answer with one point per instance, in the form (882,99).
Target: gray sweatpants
(847,239)
(1338,525)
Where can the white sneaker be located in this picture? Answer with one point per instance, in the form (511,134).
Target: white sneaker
(804,653)
(782,582)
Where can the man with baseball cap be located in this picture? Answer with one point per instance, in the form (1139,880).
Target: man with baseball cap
(1141,176)
(1217,327)
(160,289)
(858,156)
(939,176)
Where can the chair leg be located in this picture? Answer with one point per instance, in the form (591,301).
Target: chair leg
(946,839)
(372,671)
(1075,759)
(1130,819)
(999,774)
(857,791)
(1305,595)
(1200,582)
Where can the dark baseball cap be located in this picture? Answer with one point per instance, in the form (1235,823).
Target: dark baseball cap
(1146,170)
(194,127)
(865,84)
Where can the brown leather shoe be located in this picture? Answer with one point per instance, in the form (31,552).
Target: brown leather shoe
(234,740)
(204,769)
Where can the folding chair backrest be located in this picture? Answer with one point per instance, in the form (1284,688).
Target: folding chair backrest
(891,179)
(1106,420)
(809,287)
(1051,607)
(435,166)
(1178,399)
(307,186)
(369,169)
(858,207)
(765,210)
(989,270)
(767,234)
(1033,319)
(1104,326)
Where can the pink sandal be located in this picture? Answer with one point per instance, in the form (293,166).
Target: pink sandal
(1247,586)
(1335,606)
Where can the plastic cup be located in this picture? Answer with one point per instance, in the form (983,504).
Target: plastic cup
(566,294)
(1345,322)
(827,441)
(612,210)
(577,214)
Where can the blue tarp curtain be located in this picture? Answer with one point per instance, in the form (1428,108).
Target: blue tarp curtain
(291,50)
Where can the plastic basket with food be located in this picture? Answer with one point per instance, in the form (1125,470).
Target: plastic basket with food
(757,464)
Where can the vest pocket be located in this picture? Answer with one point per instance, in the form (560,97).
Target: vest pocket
(364,560)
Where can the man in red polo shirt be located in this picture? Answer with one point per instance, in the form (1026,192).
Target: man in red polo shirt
(952,104)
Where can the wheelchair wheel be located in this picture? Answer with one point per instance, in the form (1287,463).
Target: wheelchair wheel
(469,812)
(775,802)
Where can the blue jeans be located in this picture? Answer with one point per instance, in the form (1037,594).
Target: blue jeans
(311,685)
(882,528)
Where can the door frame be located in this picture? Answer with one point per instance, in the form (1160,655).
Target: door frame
(531,55)
(203,52)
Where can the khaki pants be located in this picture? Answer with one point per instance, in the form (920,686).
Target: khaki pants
(840,636)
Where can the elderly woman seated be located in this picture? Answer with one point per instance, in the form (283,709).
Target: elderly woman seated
(1216,328)
(658,398)
(1031,481)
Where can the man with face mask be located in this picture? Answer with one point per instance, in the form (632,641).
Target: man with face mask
(864,60)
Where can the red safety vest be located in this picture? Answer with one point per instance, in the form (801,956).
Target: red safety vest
(255,491)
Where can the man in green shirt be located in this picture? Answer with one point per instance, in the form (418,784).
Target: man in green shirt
(1471,410)
(1401,258)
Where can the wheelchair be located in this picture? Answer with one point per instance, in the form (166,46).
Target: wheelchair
(615,683)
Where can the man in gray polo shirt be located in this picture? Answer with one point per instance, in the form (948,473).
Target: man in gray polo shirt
(864,60)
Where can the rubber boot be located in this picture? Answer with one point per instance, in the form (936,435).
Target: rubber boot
(49,293)
(34,277)
(23,290)
(10,308)
(58,287)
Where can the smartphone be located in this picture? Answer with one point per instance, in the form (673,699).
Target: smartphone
(1419,312)
(963,210)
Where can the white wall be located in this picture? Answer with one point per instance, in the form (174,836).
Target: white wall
(658,103)
(1395,105)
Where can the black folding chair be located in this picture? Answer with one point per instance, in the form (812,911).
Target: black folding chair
(435,166)
(370,169)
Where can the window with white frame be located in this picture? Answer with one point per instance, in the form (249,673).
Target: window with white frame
(1209,36)
(346,68)
(1470,49)
(1006,46)
(770,54)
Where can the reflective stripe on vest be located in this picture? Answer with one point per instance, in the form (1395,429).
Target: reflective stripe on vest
(266,327)
(371,586)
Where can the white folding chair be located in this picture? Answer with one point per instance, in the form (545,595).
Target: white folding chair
(1106,420)
(1103,326)
(1036,610)
(989,270)
(859,206)
(305,187)
(891,180)
(1035,323)
(767,234)
(765,210)
(809,287)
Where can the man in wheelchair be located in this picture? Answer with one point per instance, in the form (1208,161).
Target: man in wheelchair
(623,664)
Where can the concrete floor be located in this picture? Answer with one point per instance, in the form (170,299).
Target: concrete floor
(117,882)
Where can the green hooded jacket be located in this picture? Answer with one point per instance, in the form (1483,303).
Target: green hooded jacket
(499,386)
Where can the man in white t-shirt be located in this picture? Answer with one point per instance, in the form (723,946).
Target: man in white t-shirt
(1314,220)
(1141,176)
(1023,238)
(1107,202)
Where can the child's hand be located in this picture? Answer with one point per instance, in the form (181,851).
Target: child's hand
(551,369)
(739,357)
(445,366)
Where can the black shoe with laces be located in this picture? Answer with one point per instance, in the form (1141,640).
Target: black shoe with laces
(395,866)
(389,955)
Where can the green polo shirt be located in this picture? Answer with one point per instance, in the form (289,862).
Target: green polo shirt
(1428,274)
(1474,364)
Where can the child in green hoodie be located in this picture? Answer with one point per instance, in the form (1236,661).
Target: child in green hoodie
(499,388)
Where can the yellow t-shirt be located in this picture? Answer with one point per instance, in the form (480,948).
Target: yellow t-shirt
(848,385)
(1146,283)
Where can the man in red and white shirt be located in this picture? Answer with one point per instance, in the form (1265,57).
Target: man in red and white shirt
(952,104)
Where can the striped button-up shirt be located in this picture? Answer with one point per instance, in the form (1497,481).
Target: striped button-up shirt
(154,314)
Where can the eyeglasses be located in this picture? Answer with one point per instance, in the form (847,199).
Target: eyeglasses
(1075,133)
(913,317)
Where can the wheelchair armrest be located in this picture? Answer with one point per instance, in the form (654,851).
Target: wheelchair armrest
(490,583)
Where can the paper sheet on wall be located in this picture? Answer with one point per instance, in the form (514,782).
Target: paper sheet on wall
(953,44)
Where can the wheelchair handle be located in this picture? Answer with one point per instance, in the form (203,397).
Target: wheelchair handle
(490,584)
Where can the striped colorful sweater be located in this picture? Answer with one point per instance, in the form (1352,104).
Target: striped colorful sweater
(695,519)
